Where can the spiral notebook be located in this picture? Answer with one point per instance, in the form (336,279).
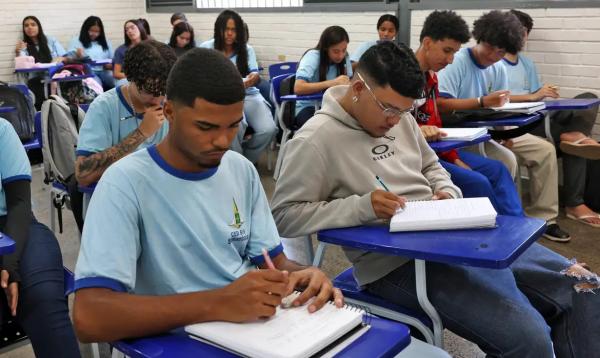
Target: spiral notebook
(450,214)
(291,332)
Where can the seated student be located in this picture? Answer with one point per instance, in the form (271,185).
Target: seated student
(92,43)
(441,37)
(230,40)
(478,79)
(134,33)
(43,48)
(387,28)
(182,38)
(31,277)
(325,66)
(263,86)
(128,117)
(176,18)
(328,181)
(212,218)
(570,129)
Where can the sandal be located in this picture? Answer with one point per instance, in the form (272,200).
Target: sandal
(579,149)
(582,219)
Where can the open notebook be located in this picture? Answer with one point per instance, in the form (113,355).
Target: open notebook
(292,332)
(521,107)
(447,214)
(466,134)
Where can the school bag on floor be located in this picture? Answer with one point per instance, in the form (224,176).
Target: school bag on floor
(22,118)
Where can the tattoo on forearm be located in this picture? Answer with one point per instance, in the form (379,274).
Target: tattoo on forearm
(96,164)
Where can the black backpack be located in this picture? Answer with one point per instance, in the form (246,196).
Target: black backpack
(289,110)
(592,185)
(22,117)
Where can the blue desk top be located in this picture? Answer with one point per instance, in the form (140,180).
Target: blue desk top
(385,338)
(492,248)
(7,109)
(7,245)
(446,145)
(518,120)
(575,103)
(37,69)
(308,97)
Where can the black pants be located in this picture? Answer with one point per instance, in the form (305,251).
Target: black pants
(37,87)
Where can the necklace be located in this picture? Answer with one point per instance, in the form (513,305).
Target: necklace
(135,112)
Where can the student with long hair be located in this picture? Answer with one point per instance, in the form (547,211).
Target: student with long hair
(134,33)
(230,40)
(43,48)
(92,43)
(325,66)
(387,28)
(182,38)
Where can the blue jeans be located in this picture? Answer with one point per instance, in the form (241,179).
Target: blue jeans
(489,178)
(259,117)
(42,309)
(522,311)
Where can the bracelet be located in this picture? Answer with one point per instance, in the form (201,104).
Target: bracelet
(480,101)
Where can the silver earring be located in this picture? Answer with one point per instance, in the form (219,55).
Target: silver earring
(354,99)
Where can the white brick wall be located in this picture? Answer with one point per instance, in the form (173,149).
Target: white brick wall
(61,19)
(564,43)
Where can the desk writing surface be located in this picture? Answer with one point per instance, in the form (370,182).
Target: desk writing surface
(491,248)
(7,245)
(446,145)
(574,103)
(518,120)
(385,338)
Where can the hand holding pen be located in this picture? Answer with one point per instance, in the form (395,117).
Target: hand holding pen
(385,203)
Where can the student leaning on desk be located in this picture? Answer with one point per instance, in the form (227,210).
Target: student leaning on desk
(188,221)
(327,181)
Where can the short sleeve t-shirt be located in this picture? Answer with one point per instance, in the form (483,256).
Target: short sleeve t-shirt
(173,231)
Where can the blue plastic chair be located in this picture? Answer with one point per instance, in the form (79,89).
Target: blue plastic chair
(279,112)
(282,68)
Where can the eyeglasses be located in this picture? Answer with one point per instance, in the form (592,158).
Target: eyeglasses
(388,112)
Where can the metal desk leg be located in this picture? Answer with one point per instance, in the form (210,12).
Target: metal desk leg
(547,127)
(421,279)
(481,147)
(318,258)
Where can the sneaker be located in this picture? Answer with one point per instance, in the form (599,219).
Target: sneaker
(555,233)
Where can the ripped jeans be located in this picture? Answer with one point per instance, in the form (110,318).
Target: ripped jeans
(523,311)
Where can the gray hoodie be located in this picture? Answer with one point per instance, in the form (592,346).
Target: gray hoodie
(328,174)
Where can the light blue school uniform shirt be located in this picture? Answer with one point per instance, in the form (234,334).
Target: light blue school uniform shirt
(465,78)
(171,231)
(361,50)
(308,70)
(95,51)
(252,61)
(56,49)
(522,75)
(105,125)
(14,164)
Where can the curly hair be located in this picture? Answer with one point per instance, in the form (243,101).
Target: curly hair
(500,29)
(440,25)
(148,65)
(205,73)
(525,19)
(388,63)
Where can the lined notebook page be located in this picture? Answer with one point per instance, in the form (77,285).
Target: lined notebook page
(444,215)
(292,332)
(463,133)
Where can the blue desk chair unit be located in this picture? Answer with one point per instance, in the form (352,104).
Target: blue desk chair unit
(283,68)
(494,248)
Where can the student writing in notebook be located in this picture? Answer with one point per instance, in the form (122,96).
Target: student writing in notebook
(187,221)
(476,79)
(570,129)
(327,181)
(324,66)
(441,37)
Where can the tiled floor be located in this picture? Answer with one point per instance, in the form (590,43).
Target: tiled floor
(584,246)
